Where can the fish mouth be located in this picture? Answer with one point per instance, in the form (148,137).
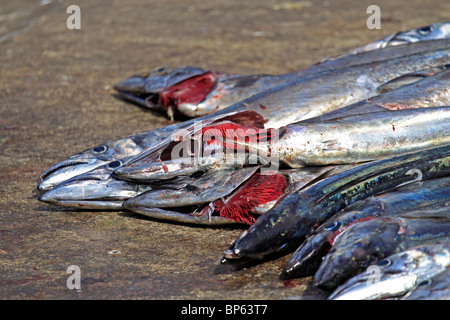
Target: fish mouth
(65,170)
(73,196)
(92,190)
(107,204)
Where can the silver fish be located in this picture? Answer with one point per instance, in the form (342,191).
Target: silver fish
(187,199)
(440,30)
(115,150)
(298,214)
(311,97)
(362,138)
(397,274)
(195,92)
(302,99)
(239,203)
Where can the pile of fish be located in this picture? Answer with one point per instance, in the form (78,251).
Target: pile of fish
(345,164)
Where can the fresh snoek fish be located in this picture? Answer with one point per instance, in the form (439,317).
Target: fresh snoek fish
(195,92)
(288,103)
(397,274)
(203,198)
(436,287)
(255,195)
(305,101)
(417,197)
(116,150)
(298,214)
(430,91)
(440,30)
(346,140)
(362,138)
(367,242)
(95,189)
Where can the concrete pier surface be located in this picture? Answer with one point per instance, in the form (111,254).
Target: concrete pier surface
(56,100)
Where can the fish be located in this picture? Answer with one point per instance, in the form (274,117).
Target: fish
(366,242)
(244,203)
(193,91)
(305,98)
(398,274)
(415,198)
(126,147)
(94,189)
(436,287)
(430,89)
(361,138)
(285,227)
(187,199)
(310,97)
(346,140)
(440,30)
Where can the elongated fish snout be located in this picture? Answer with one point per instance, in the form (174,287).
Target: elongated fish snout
(91,191)
(65,170)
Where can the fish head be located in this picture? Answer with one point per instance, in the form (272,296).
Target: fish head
(88,160)
(435,31)
(215,144)
(397,274)
(186,90)
(151,84)
(96,189)
(354,248)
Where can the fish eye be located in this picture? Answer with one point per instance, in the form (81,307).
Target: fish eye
(100,149)
(384,263)
(197,174)
(425,30)
(114,164)
(333,227)
(425,283)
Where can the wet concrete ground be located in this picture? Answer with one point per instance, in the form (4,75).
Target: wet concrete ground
(55,100)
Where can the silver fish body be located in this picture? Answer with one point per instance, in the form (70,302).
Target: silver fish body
(440,30)
(397,274)
(313,96)
(298,100)
(362,138)
(228,89)
(417,198)
(431,91)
